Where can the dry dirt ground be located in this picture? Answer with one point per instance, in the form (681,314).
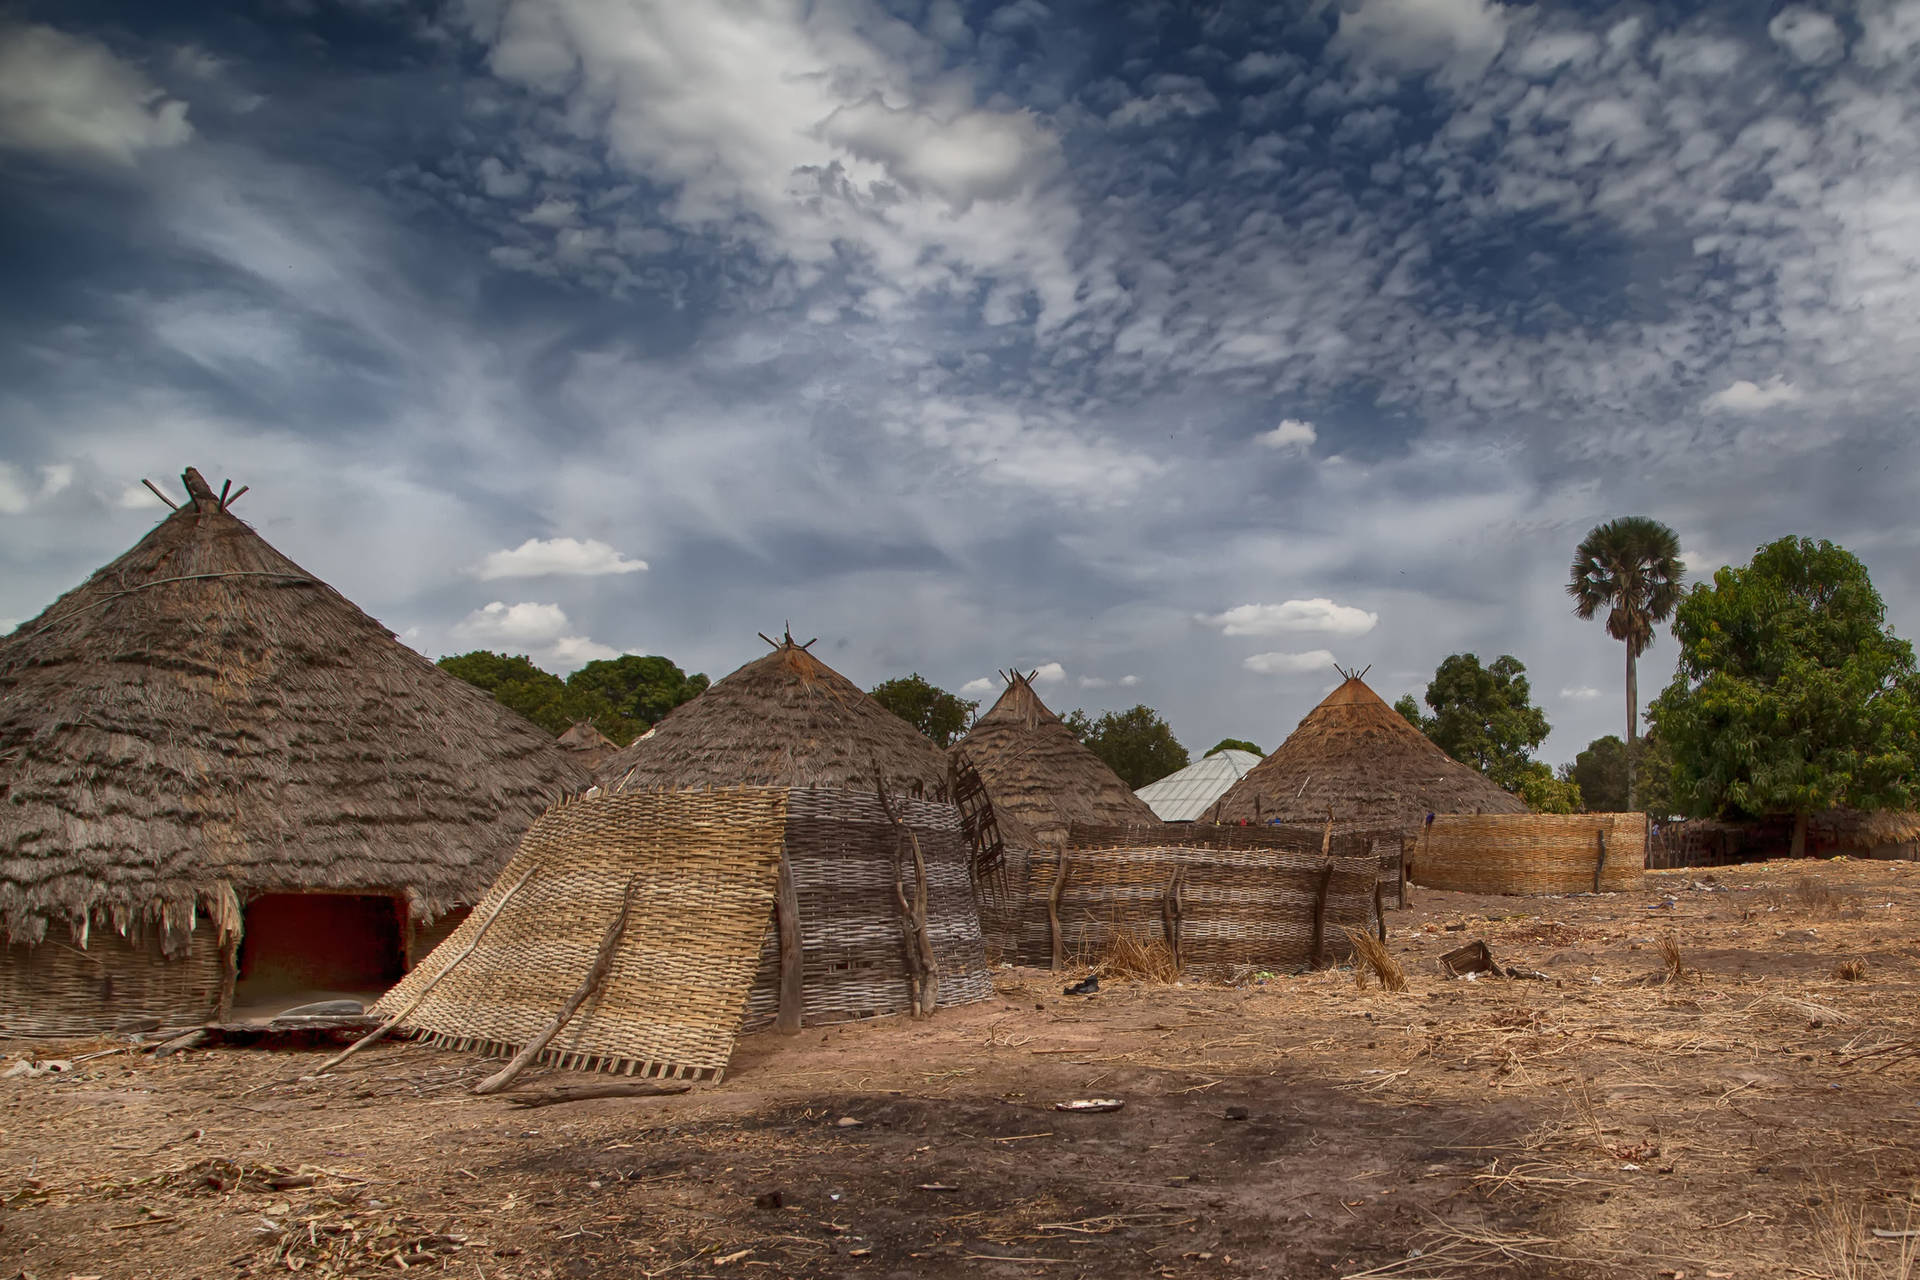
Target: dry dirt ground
(1755,1116)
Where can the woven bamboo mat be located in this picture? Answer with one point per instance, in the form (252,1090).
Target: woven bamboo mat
(53,989)
(1247,895)
(700,867)
(1530,852)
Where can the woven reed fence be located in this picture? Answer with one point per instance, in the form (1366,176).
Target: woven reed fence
(1224,898)
(699,958)
(53,989)
(1532,852)
(846,856)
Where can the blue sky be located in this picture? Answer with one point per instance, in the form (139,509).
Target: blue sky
(1177,351)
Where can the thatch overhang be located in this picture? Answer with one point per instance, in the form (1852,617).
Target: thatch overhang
(203,719)
(1358,757)
(783,720)
(1036,770)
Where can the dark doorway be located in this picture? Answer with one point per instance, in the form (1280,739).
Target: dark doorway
(320,943)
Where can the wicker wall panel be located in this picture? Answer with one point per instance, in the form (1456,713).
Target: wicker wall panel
(1530,852)
(700,867)
(54,989)
(1247,894)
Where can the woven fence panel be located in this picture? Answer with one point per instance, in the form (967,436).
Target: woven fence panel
(846,855)
(54,989)
(699,868)
(1247,896)
(1530,852)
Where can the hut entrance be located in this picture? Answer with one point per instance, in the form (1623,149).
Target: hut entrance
(320,945)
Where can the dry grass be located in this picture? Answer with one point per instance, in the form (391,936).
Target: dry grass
(1814,896)
(1851,1250)
(1370,956)
(1673,966)
(1128,956)
(1851,971)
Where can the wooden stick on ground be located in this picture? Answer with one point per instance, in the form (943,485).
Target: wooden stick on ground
(582,1092)
(596,975)
(381,1031)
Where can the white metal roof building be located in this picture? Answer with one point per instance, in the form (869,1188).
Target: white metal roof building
(1185,796)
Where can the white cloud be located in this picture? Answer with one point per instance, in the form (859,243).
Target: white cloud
(1425,35)
(1289,664)
(978,688)
(1049,673)
(1291,436)
(137,497)
(542,557)
(1317,614)
(1168,96)
(18,493)
(1747,397)
(524,623)
(1580,693)
(542,631)
(1129,682)
(66,95)
(974,155)
(1808,36)
(1094,682)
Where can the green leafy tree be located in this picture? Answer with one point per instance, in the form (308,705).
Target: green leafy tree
(1234,744)
(1600,771)
(540,696)
(1136,744)
(1631,569)
(1547,792)
(642,689)
(1409,709)
(1483,716)
(940,715)
(1792,694)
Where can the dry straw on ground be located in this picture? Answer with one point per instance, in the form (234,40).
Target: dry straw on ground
(1129,956)
(1370,956)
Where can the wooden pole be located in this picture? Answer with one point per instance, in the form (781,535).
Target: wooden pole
(1053,911)
(1600,862)
(1320,914)
(380,1031)
(596,975)
(786,914)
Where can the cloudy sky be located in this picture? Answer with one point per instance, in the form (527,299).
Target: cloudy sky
(1176,350)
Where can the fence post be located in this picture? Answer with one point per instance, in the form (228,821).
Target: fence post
(1320,913)
(1053,911)
(1600,862)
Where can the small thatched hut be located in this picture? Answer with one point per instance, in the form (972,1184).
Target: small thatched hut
(589,746)
(1035,769)
(215,769)
(784,720)
(1360,758)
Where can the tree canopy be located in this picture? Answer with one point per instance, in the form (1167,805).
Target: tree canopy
(1233,744)
(1600,771)
(1136,743)
(1484,717)
(1792,693)
(643,689)
(620,696)
(940,715)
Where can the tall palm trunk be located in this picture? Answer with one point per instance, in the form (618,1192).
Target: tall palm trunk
(1633,716)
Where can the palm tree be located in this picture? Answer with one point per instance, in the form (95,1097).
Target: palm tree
(1631,568)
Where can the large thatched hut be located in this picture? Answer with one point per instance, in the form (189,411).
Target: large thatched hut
(786,719)
(1358,757)
(214,769)
(1035,769)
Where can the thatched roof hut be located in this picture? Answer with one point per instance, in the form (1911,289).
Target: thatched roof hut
(784,720)
(1358,756)
(589,746)
(202,723)
(1035,769)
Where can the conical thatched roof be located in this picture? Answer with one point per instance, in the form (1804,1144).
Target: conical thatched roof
(1035,769)
(203,714)
(1358,755)
(588,745)
(783,720)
